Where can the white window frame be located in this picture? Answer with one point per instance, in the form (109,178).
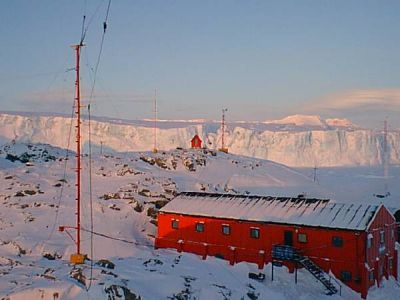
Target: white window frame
(202,226)
(175,221)
(253,230)
(223,226)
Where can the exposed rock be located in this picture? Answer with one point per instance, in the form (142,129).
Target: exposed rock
(110,196)
(144,192)
(114,207)
(138,208)
(78,275)
(160,203)
(115,292)
(148,159)
(51,256)
(104,263)
(152,212)
(30,192)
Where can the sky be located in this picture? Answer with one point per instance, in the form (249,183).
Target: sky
(261,60)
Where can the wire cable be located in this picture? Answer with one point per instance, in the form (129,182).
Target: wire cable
(84,32)
(90,141)
(100,51)
(114,238)
(63,181)
(90,201)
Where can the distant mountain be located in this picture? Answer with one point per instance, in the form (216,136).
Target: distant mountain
(298,140)
(313,122)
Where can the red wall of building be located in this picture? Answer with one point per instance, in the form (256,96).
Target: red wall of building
(239,246)
(382,256)
(196,142)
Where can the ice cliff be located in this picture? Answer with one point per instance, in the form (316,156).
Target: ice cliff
(291,141)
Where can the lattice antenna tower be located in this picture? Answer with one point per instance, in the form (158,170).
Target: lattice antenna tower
(78,257)
(223,148)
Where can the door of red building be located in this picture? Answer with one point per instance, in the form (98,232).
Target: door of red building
(288,238)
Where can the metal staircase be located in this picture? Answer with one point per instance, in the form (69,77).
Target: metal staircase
(318,273)
(288,253)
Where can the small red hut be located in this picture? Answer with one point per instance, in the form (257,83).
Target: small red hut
(196,142)
(356,242)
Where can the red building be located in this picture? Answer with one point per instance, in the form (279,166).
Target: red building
(354,241)
(196,142)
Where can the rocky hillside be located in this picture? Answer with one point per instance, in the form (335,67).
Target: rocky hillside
(37,195)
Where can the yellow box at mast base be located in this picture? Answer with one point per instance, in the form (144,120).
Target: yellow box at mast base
(77,259)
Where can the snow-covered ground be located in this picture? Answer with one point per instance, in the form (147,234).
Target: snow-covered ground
(37,194)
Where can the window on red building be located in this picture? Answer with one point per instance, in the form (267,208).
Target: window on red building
(302,238)
(200,226)
(255,233)
(371,276)
(345,276)
(337,241)
(226,229)
(175,224)
(369,240)
(382,236)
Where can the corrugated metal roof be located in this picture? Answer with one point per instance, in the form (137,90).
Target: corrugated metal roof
(297,211)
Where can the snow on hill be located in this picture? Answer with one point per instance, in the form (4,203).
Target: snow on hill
(313,122)
(340,123)
(37,194)
(301,120)
(300,141)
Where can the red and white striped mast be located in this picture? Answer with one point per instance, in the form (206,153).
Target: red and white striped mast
(78,257)
(78,148)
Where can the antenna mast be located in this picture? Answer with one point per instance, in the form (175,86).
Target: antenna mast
(223,148)
(77,258)
(385,157)
(385,162)
(155,122)
(78,149)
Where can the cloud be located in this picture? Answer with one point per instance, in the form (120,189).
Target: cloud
(367,107)
(369,99)
(46,97)
(65,97)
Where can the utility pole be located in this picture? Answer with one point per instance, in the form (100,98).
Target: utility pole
(223,148)
(385,157)
(155,122)
(78,257)
(315,173)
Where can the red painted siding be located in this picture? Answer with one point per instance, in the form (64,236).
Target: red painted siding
(196,142)
(379,254)
(240,246)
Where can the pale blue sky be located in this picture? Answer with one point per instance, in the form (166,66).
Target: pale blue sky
(260,59)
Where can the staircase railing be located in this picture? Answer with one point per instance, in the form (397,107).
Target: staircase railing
(288,253)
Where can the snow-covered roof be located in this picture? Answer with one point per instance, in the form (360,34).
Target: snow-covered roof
(285,210)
